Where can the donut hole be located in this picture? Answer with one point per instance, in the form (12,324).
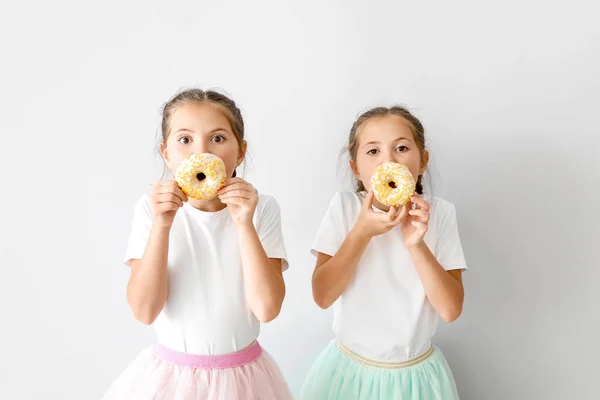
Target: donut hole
(200,176)
(392,184)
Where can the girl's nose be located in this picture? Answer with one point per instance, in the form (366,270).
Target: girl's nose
(201,147)
(387,157)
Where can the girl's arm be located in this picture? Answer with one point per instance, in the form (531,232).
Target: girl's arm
(263,277)
(444,289)
(147,287)
(333,274)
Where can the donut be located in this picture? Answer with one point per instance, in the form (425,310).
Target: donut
(200,176)
(393,185)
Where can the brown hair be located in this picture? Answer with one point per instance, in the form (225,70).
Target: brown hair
(220,101)
(413,122)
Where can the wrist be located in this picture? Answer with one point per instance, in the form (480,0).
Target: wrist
(359,234)
(417,246)
(159,225)
(243,226)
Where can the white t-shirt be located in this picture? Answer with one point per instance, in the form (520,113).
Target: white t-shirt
(206,310)
(384,313)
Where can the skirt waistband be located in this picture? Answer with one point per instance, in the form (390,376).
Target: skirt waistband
(221,361)
(382,364)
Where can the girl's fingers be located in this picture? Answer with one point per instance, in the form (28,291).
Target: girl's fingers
(172,187)
(419,226)
(236,193)
(167,185)
(368,203)
(237,186)
(231,181)
(179,193)
(391,214)
(423,215)
(401,215)
(169,197)
(238,201)
(166,207)
(420,202)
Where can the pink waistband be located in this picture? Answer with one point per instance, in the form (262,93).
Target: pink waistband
(221,361)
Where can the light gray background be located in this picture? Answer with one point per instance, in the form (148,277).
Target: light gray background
(507,90)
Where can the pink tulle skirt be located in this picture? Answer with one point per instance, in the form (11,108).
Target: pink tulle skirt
(161,373)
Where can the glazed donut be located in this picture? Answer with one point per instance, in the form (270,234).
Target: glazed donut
(200,176)
(393,185)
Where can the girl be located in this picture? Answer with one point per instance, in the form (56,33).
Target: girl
(389,273)
(204,273)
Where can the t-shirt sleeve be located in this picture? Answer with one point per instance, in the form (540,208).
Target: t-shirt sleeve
(269,232)
(140,230)
(331,235)
(449,251)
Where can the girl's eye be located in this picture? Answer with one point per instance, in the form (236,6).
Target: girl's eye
(372,151)
(184,140)
(402,148)
(218,138)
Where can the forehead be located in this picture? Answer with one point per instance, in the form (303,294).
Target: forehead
(385,128)
(199,116)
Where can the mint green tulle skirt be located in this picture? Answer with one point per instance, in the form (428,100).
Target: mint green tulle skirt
(337,374)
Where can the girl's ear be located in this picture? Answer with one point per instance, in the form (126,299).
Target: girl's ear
(354,169)
(163,151)
(424,162)
(242,152)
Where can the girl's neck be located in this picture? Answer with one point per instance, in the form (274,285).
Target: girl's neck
(380,206)
(213,205)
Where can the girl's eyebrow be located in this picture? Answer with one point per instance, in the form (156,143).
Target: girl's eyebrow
(371,142)
(377,142)
(209,132)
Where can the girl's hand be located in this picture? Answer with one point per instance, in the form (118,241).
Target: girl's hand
(166,198)
(416,224)
(241,199)
(371,223)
